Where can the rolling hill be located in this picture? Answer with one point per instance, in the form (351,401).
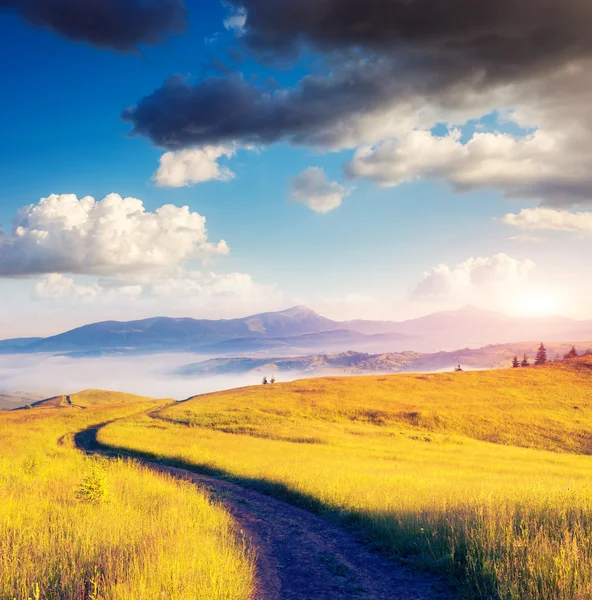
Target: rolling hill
(355,363)
(91,398)
(482,475)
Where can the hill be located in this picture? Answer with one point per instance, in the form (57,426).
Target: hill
(483,475)
(92,398)
(544,407)
(355,363)
(17,344)
(76,527)
(299,330)
(345,362)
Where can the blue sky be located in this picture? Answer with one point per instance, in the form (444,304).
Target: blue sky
(63,133)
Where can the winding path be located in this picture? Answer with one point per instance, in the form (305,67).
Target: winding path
(300,556)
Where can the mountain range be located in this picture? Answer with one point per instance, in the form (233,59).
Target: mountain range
(300,330)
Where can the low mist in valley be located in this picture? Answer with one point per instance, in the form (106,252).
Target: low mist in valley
(149,375)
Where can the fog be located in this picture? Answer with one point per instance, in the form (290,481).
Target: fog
(148,375)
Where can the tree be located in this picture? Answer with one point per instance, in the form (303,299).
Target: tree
(272,380)
(264,381)
(573,353)
(541,355)
(588,352)
(515,362)
(525,362)
(458,368)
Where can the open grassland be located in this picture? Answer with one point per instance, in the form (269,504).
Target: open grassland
(80,528)
(409,460)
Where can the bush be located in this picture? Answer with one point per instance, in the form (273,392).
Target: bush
(94,488)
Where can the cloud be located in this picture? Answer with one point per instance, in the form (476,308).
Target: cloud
(115,24)
(183,292)
(236,21)
(386,65)
(500,36)
(360,101)
(473,276)
(541,218)
(203,285)
(64,234)
(387,69)
(59,286)
(312,188)
(548,164)
(416,155)
(196,165)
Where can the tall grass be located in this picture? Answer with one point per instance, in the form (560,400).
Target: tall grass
(81,528)
(404,459)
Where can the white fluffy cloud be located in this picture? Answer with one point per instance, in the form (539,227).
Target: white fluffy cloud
(312,188)
(546,164)
(195,165)
(542,218)
(549,159)
(473,276)
(185,292)
(198,284)
(59,286)
(64,234)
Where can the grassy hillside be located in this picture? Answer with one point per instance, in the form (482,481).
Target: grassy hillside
(548,408)
(96,398)
(80,528)
(409,460)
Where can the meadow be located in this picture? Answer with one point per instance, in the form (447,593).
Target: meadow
(484,476)
(74,527)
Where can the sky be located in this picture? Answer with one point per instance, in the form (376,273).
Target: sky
(374,159)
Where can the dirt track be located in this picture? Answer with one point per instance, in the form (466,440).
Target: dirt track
(301,556)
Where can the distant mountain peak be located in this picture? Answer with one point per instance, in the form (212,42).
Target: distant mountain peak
(299,311)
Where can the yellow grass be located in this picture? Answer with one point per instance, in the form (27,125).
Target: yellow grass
(409,460)
(79,528)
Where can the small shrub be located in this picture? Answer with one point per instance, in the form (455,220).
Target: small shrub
(94,488)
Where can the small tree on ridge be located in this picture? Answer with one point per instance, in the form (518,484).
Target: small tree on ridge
(525,362)
(541,355)
(515,362)
(573,353)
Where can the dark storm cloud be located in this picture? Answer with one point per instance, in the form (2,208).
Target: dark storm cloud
(117,24)
(318,111)
(380,56)
(491,32)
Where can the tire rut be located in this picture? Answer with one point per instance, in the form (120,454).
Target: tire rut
(299,555)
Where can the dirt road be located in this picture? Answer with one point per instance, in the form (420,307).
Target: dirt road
(300,555)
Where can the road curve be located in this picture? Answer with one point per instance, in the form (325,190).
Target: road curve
(300,555)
